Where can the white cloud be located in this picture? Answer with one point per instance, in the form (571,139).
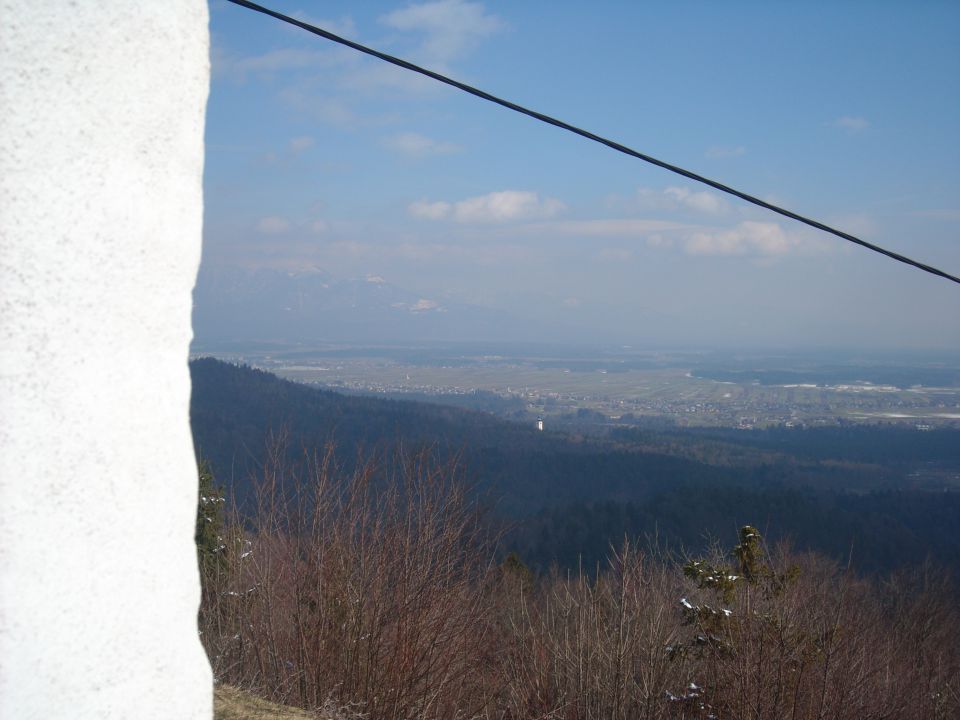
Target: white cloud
(226,63)
(423,304)
(672,199)
(330,84)
(319,227)
(747,238)
(273,225)
(418,146)
(505,206)
(607,227)
(430,210)
(722,152)
(701,201)
(299,144)
(851,123)
(451,27)
(495,207)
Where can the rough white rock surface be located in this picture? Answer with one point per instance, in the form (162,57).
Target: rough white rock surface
(101,156)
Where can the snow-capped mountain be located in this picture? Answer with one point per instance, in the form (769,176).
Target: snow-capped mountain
(233,304)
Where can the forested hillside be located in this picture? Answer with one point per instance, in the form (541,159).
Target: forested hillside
(887,495)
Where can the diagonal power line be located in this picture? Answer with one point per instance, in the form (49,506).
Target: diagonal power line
(399,62)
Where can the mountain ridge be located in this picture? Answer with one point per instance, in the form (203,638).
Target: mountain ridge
(308,305)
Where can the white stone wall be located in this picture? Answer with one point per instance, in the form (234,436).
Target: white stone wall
(101,154)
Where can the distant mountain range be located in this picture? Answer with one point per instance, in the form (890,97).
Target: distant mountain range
(233,304)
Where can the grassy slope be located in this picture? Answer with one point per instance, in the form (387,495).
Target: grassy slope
(232,704)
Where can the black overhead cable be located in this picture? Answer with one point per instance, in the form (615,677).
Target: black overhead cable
(596,138)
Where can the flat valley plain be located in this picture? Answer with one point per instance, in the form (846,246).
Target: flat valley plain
(623,386)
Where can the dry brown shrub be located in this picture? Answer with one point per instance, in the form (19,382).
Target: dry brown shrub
(375,593)
(594,646)
(368,591)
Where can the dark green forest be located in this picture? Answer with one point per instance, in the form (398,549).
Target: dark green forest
(883,497)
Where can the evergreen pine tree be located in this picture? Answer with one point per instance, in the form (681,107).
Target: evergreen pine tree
(209,528)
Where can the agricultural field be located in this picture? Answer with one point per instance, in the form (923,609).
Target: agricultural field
(627,387)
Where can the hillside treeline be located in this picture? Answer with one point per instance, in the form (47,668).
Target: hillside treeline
(376,590)
(881,497)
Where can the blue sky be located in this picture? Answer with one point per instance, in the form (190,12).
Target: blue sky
(318,157)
